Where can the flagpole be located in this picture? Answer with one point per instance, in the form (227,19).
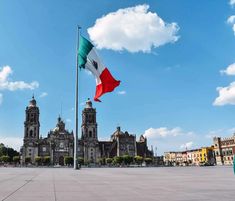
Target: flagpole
(76,103)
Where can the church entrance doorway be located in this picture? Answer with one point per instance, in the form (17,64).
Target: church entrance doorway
(61,160)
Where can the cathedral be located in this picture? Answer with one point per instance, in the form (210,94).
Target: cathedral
(59,142)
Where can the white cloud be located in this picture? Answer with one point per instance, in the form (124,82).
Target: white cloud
(171,139)
(226,95)
(162,132)
(18,85)
(220,133)
(232,2)
(13,142)
(1,98)
(187,145)
(234,29)
(230,70)
(5,84)
(231,21)
(121,92)
(4,73)
(43,94)
(134,29)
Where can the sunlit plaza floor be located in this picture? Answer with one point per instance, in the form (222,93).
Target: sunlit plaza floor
(112,184)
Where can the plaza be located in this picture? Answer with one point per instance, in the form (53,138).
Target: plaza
(114,184)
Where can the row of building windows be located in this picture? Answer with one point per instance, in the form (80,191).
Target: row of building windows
(90,134)
(230,142)
(89,119)
(225,153)
(228,158)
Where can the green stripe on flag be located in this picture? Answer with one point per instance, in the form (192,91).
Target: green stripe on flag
(85,47)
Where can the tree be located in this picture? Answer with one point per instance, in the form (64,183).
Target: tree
(80,160)
(127,159)
(138,160)
(2,149)
(101,161)
(38,160)
(27,160)
(68,160)
(16,159)
(117,160)
(148,160)
(5,159)
(87,162)
(46,160)
(7,151)
(109,161)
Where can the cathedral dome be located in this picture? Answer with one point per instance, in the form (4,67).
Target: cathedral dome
(117,133)
(60,125)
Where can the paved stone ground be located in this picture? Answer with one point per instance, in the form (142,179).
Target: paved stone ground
(115,184)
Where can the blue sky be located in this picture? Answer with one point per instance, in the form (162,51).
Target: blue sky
(168,90)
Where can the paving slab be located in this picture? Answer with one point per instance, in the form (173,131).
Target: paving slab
(116,184)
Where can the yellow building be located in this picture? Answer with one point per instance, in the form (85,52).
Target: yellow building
(196,156)
(207,155)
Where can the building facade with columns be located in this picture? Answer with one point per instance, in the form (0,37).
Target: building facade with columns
(59,142)
(224,149)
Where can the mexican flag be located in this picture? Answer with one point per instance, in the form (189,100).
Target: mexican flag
(88,59)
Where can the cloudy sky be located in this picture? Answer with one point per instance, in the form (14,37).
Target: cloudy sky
(175,60)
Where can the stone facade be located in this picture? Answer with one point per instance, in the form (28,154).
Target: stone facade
(59,142)
(224,149)
(88,145)
(120,143)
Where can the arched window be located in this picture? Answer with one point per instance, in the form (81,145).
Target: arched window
(90,133)
(31,133)
(27,132)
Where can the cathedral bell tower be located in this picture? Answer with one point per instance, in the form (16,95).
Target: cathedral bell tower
(31,131)
(31,124)
(89,133)
(89,125)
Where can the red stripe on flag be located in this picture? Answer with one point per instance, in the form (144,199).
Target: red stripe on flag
(108,84)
